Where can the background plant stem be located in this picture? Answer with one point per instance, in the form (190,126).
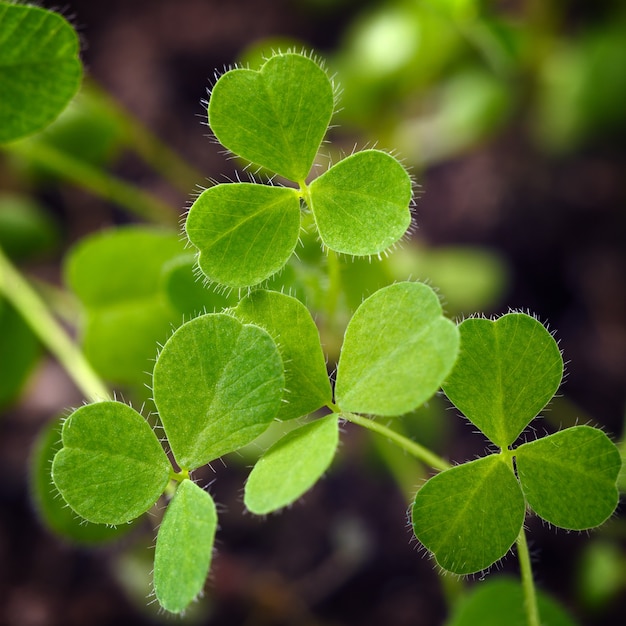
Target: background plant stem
(136,201)
(148,146)
(334,286)
(36,314)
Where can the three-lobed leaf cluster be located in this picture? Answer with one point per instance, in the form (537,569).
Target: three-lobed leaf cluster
(222,378)
(470,515)
(276,118)
(218,383)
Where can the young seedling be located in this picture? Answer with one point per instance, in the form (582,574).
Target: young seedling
(276,119)
(221,378)
(219,381)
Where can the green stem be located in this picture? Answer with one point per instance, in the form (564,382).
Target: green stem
(454,591)
(333,292)
(148,146)
(100,183)
(528,584)
(179,476)
(418,451)
(334,285)
(63,304)
(175,479)
(36,314)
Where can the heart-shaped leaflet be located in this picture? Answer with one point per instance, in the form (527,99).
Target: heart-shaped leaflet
(218,384)
(507,371)
(275,117)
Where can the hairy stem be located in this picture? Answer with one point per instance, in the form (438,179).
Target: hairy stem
(98,182)
(528,584)
(333,293)
(36,314)
(179,476)
(418,451)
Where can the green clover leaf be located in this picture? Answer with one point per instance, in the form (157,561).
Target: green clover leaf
(292,465)
(361,204)
(40,70)
(569,478)
(53,509)
(507,371)
(470,515)
(218,384)
(244,232)
(288,321)
(111,468)
(397,350)
(275,117)
(184,547)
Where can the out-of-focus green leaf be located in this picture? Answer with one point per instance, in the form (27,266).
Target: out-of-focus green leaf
(387,55)
(26,230)
(467,108)
(601,573)
(187,291)
(117,276)
(19,351)
(468,279)
(86,130)
(582,88)
(40,70)
(500,601)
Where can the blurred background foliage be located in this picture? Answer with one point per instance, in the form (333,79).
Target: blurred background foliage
(434,79)
(510,115)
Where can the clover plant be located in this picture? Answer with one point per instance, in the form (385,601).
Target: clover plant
(470,515)
(253,355)
(245,232)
